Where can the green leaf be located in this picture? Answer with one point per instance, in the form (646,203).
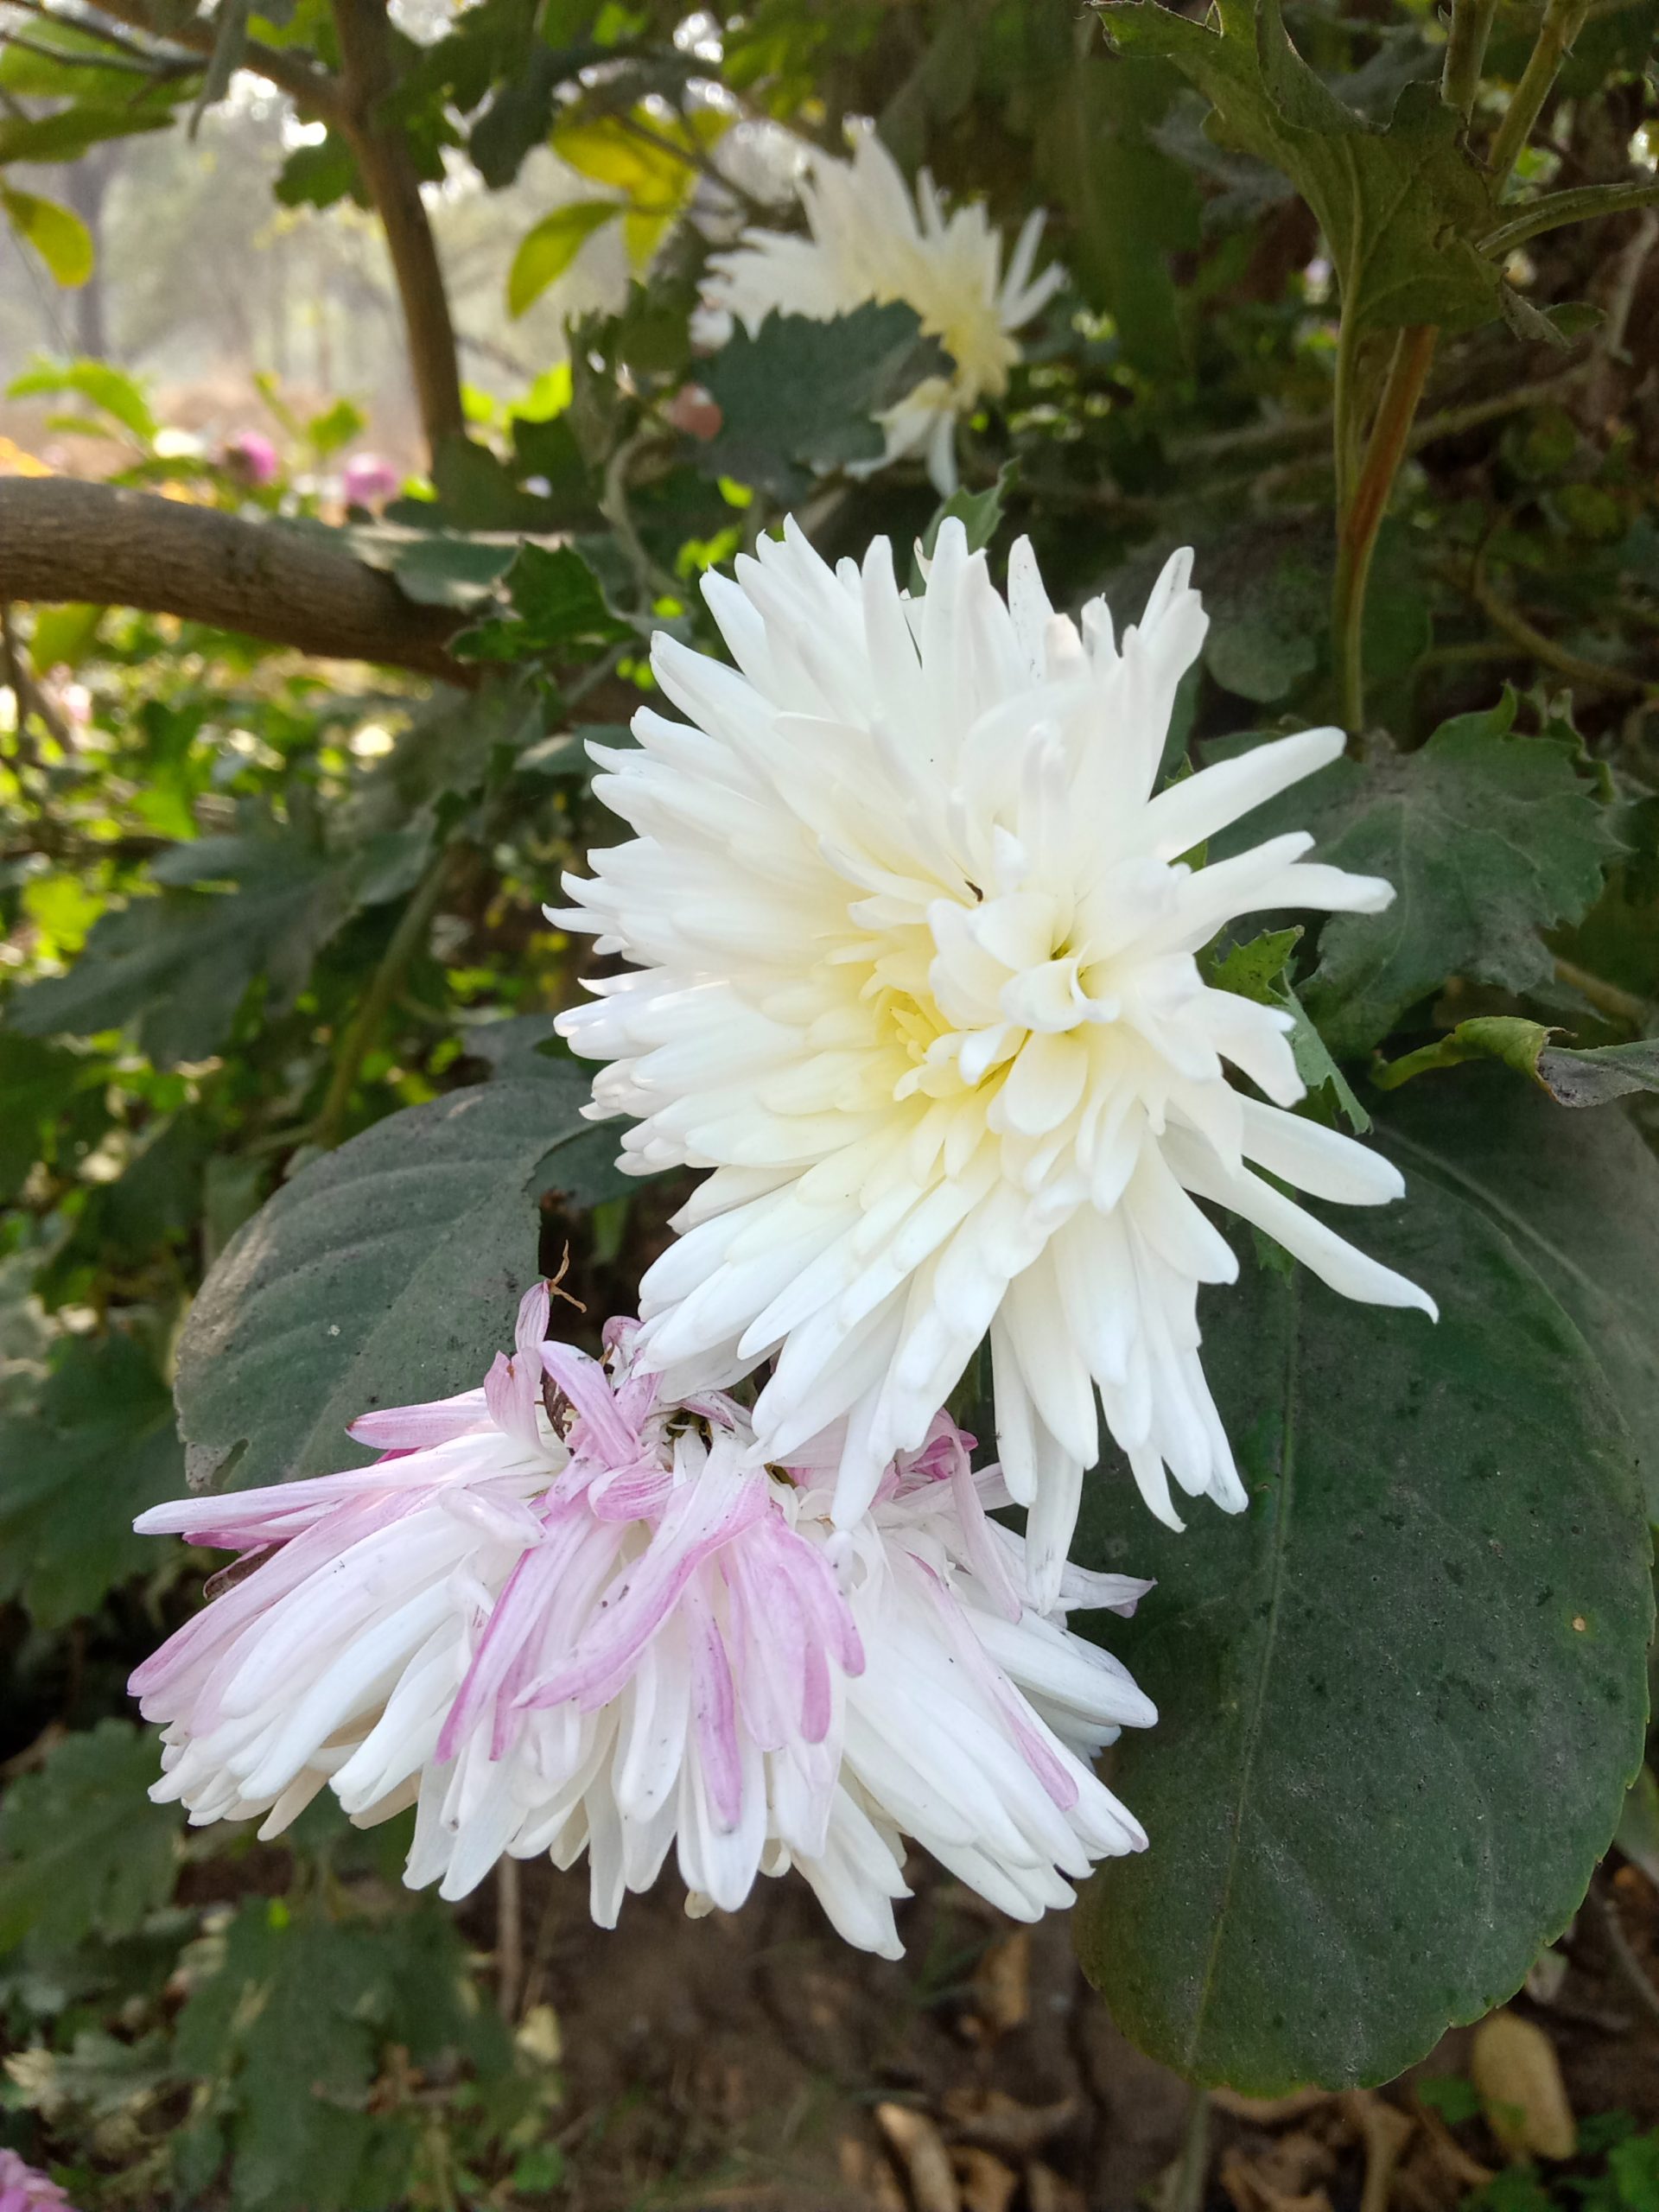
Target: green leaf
(174,968)
(557,603)
(1402,1699)
(549,247)
(979,512)
(1487,838)
(1509,1038)
(801,395)
(1637,1836)
(1572,1079)
(1401,205)
(477,491)
(36,1083)
(98,1449)
(1130,204)
(1255,968)
(71,69)
(1594,1079)
(57,234)
(293,2029)
(334,427)
(82,1850)
(96,382)
(385,1273)
(320,175)
(65,137)
(1579,1200)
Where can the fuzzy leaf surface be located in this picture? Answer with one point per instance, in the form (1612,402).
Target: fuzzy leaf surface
(801,395)
(385,1273)
(1578,1197)
(1401,204)
(1488,838)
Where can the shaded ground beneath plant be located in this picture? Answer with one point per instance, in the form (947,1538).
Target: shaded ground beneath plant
(756,2060)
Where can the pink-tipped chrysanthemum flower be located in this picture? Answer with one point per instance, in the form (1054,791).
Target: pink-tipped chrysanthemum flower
(569,1615)
(351,1611)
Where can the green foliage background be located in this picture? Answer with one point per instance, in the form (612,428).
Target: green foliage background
(1376,336)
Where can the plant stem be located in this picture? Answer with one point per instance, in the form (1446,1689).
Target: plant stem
(1515,625)
(1557,208)
(1466,49)
(1346,423)
(365,1026)
(1563,19)
(1361,515)
(1634,1973)
(368,74)
(509,1939)
(1186,2193)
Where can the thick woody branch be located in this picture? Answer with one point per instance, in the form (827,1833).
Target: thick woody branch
(367,74)
(62,540)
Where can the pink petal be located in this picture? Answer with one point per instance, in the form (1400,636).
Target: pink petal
(414,1427)
(714,1711)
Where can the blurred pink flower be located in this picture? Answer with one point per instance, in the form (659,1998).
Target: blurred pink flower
(23,2190)
(253,456)
(367,480)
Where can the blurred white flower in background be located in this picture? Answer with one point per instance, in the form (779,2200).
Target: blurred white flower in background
(915,978)
(871,241)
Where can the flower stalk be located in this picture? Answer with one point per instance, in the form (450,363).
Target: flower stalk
(1361,509)
(1563,20)
(1466,50)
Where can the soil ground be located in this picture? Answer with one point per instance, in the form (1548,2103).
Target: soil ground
(754,2060)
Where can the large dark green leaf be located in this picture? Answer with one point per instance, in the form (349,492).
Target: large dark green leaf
(1487,838)
(1400,1698)
(800,394)
(1577,1194)
(82,1851)
(386,1273)
(98,1449)
(1400,204)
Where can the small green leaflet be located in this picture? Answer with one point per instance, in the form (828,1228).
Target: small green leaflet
(558,606)
(801,395)
(1257,969)
(57,234)
(548,249)
(1488,838)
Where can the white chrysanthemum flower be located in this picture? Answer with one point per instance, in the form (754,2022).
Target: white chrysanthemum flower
(871,242)
(915,942)
(568,1614)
